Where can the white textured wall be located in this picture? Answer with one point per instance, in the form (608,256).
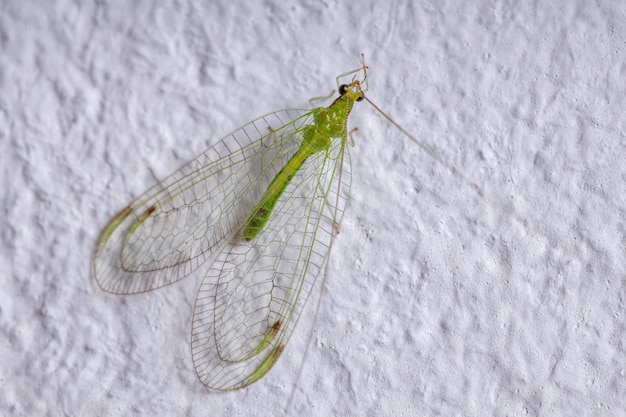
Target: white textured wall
(438,301)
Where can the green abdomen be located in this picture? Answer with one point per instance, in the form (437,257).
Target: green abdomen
(327,123)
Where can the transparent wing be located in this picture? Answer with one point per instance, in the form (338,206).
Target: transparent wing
(252,297)
(184,221)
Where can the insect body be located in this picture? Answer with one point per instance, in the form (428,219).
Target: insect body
(259,210)
(328,124)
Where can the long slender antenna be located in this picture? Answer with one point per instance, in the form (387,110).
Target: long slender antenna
(426,149)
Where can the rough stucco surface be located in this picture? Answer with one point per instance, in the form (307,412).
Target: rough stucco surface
(438,301)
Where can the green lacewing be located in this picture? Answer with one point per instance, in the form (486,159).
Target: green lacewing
(259,211)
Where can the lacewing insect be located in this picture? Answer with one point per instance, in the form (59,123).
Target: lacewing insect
(259,211)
